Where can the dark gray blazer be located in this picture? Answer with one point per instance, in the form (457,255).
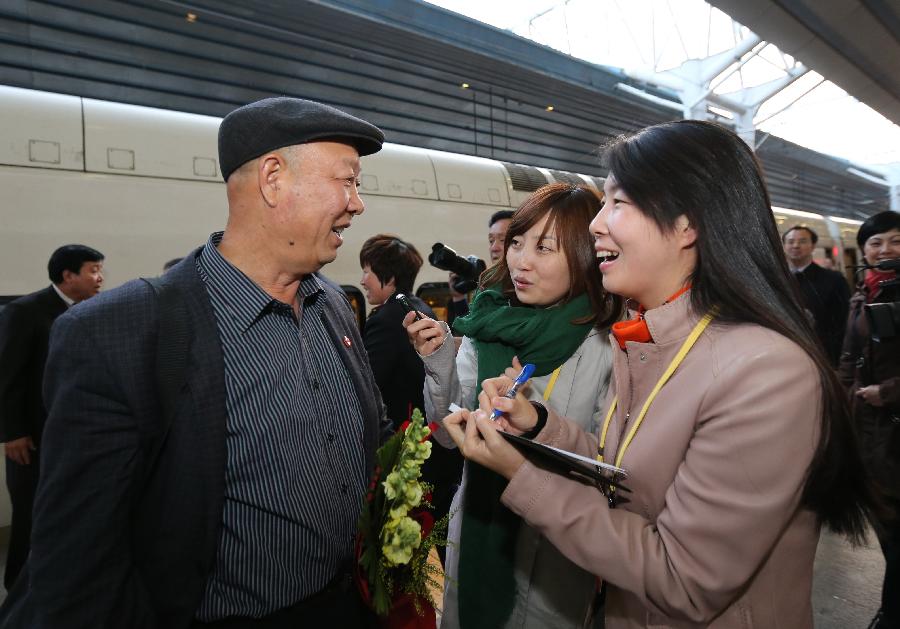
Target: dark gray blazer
(24,336)
(127,517)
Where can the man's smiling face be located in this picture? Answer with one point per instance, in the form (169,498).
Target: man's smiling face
(320,202)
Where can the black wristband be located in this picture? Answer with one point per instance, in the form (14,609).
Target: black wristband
(541,421)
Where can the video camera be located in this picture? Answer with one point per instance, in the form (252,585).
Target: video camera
(884,318)
(467,269)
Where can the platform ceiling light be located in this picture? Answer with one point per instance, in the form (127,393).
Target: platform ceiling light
(465,86)
(191,17)
(549,107)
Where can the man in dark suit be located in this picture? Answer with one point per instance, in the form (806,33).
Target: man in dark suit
(76,273)
(212,437)
(826,293)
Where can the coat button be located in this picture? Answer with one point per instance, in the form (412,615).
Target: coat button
(643,357)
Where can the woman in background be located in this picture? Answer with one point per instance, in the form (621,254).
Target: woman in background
(731,424)
(390,266)
(542,303)
(871,371)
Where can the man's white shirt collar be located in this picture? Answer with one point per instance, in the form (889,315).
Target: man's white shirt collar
(69,302)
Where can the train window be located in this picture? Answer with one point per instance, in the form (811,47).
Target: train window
(358,302)
(436,295)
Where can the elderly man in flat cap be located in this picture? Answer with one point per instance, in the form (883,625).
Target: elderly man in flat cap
(211,431)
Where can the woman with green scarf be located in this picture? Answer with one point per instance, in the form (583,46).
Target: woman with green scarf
(542,303)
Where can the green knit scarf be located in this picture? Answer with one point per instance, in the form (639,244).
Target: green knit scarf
(547,338)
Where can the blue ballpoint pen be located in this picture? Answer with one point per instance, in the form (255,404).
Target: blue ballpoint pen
(521,379)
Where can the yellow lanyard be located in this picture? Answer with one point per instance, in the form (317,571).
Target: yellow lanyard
(685,348)
(552,383)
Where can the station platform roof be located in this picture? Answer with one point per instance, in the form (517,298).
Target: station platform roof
(428,77)
(855,43)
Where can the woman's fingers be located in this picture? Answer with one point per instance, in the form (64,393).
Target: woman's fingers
(472,439)
(478,440)
(408,319)
(496,387)
(426,335)
(520,416)
(503,404)
(488,404)
(489,431)
(455,425)
(485,446)
(484,402)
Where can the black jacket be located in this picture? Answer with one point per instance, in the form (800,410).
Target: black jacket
(398,370)
(128,517)
(866,362)
(24,335)
(826,295)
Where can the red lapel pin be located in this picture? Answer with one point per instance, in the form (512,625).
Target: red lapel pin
(347,342)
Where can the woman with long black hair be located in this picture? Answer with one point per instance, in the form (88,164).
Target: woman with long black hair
(731,424)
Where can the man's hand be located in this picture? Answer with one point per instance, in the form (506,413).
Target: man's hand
(455,296)
(871,395)
(19,450)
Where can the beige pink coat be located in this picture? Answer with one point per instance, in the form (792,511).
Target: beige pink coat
(712,533)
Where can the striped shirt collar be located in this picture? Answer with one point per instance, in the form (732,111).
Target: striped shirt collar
(246,300)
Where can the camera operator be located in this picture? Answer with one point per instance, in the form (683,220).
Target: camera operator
(497,226)
(870,367)
(458,305)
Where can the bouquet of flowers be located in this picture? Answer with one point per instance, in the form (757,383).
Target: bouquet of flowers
(396,532)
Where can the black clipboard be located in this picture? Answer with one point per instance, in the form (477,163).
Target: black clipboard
(562,463)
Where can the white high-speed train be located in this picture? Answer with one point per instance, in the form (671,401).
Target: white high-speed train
(142,185)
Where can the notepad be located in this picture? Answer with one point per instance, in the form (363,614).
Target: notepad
(564,462)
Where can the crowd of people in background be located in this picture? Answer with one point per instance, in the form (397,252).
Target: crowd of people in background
(191,451)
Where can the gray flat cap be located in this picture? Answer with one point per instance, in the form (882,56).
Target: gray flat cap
(273,123)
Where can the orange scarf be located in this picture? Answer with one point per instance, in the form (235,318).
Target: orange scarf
(636,329)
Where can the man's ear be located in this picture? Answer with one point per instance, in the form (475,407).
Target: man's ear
(685,232)
(270,172)
(67,276)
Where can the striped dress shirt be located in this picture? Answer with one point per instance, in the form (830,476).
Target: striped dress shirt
(295,464)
